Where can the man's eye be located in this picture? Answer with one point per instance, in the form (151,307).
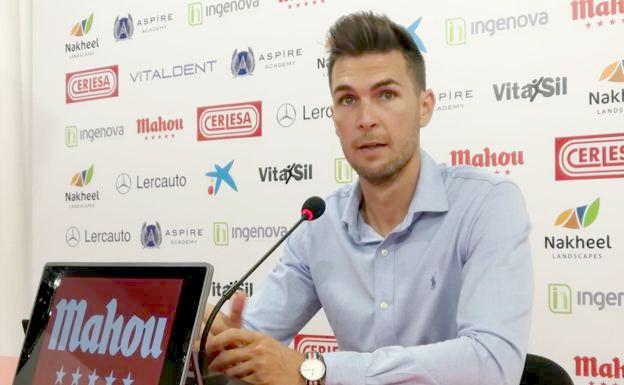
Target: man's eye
(347,100)
(387,95)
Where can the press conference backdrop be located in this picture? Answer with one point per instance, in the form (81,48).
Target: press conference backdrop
(193,131)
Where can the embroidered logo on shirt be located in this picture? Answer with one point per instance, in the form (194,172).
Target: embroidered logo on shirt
(433,281)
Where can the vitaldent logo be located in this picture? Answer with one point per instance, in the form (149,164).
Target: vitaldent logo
(609,101)
(561,296)
(97,83)
(457,29)
(452,100)
(543,86)
(578,247)
(589,157)
(500,161)
(294,172)
(223,233)
(605,13)
(196,10)
(81,47)
(343,173)
(226,121)
(174,72)
(82,199)
(74,136)
(159,128)
(220,175)
(417,40)
(314,343)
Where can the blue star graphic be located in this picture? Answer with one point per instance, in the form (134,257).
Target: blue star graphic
(223,175)
(412,30)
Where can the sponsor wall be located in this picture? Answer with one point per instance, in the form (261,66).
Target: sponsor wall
(194,131)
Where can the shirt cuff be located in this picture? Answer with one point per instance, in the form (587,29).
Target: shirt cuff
(344,368)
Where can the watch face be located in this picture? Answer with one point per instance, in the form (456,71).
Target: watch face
(313,370)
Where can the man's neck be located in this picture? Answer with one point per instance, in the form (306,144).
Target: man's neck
(384,205)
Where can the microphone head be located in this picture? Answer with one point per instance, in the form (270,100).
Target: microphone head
(313,208)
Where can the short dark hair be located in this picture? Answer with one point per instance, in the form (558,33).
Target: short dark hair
(364,32)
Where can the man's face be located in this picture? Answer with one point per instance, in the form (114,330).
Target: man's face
(378,112)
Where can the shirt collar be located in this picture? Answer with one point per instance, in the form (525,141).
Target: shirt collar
(430,196)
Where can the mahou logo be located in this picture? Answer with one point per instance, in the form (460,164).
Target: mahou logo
(601,372)
(312,343)
(116,334)
(225,121)
(488,158)
(589,157)
(586,11)
(97,83)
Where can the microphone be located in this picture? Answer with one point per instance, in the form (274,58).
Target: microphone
(312,208)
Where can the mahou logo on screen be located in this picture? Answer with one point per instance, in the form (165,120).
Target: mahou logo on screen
(108,331)
(589,157)
(312,343)
(97,83)
(239,120)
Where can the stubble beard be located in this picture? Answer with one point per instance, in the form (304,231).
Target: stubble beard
(388,172)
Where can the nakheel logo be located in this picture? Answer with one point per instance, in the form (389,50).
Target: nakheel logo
(159,128)
(226,121)
(502,162)
(223,233)
(453,100)
(609,100)
(343,172)
(314,343)
(117,334)
(577,247)
(457,30)
(294,172)
(217,289)
(84,198)
(220,175)
(74,136)
(80,47)
(97,83)
(546,87)
(589,157)
(598,14)
(601,372)
(561,298)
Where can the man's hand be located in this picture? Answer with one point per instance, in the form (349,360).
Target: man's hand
(255,358)
(223,322)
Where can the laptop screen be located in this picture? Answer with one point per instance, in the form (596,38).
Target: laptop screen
(113,324)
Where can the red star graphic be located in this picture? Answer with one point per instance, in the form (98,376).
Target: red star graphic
(306,3)
(158,136)
(166,136)
(600,23)
(146,138)
(591,382)
(588,25)
(289,6)
(603,383)
(298,5)
(496,172)
(507,172)
(314,2)
(172,135)
(152,137)
(612,21)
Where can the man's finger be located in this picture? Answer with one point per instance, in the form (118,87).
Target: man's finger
(236,309)
(243,369)
(231,357)
(229,338)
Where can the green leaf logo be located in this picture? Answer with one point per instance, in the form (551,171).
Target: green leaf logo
(592,213)
(87,27)
(89,175)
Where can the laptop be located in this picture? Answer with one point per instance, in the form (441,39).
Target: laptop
(114,324)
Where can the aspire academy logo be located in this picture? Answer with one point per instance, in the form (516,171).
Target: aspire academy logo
(96,83)
(589,157)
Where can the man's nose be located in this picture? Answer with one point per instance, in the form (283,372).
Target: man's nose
(367,115)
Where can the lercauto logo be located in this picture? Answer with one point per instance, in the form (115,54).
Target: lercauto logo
(560,298)
(417,40)
(614,72)
(313,343)
(580,217)
(343,173)
(589,157)
(83,27)
(82,178)
(97,83)
(237,120)
(220,175)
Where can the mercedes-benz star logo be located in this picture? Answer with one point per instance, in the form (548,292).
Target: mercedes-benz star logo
(72,237)
(123,184)
(286,115)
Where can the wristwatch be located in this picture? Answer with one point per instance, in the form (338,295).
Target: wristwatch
(313,369)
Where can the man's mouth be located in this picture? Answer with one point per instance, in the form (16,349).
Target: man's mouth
(371,146)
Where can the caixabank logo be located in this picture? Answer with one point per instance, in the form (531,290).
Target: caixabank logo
(597,14)
(578,247)
(589,157)
(609,99)
(115,335)
(81,46)
(228,121)
(501,162)
(599,371)
(315,343)
(96,83)
(82,196)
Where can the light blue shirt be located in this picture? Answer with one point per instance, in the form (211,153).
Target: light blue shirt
(444,299)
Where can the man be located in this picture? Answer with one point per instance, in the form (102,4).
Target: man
(424,271)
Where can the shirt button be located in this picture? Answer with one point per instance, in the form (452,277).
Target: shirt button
(383,305)
(384,252)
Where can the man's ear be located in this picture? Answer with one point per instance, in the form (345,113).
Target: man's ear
(427,102)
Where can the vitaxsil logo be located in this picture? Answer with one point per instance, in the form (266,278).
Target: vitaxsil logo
(311,343)
(239,120)
(121,330)
(97,83)
(589,157)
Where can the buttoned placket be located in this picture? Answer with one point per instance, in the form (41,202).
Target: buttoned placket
(384,294)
